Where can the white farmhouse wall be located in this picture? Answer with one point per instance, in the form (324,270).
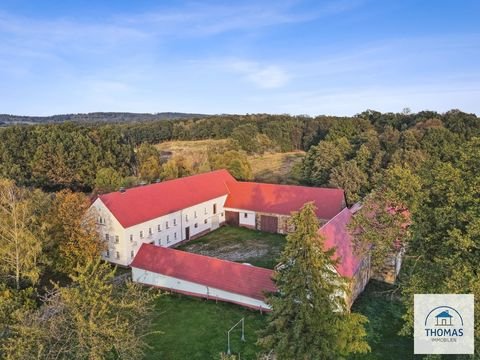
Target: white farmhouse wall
(175,284)
(167,230)
(246,217)
(110,225)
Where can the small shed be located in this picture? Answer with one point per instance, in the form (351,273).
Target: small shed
(202,276)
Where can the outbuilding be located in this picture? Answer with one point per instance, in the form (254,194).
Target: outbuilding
(202,276)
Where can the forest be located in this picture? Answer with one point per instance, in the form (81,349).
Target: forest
(426,162)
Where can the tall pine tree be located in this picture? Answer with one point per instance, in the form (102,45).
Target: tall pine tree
(309,318)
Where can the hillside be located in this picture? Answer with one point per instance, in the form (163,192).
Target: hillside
(269,167)
(96,117)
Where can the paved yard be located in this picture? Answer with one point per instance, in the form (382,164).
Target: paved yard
(240,245)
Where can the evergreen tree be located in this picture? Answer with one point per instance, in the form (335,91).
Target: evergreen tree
(309,318)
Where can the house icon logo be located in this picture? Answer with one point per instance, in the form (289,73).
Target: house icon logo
(444,318)
(444,324)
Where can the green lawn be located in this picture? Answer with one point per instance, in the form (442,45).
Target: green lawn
(197,329)
(240,245)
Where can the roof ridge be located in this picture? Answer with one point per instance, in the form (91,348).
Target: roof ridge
(206,257)
(333,218)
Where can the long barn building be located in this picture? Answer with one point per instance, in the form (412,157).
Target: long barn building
(166,214)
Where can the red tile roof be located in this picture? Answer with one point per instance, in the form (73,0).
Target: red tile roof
(336,234)
(143,203)
(283,199)
(224,275)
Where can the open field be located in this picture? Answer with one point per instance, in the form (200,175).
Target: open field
(269,167)
(194,328)
(276,167)
(240,245)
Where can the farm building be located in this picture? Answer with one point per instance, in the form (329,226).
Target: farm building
(202,276)
(170,212)
(138,225)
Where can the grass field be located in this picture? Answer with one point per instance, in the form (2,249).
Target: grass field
(193,328)
(269,167)
(196,329)
(276,167)
(239,244)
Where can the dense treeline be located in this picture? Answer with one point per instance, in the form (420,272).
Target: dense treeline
(101,117)
(71,155)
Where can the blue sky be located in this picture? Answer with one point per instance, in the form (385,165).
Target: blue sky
(299,57)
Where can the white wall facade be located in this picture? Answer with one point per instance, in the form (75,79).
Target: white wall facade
(175,284)
(245,217)
(167,230)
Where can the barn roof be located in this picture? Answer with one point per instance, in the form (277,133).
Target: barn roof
(336,234)
(137,205)
(283,199)
(143,203)
(224,275)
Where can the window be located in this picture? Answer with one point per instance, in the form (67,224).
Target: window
(205,211)
(245,215)
(221,214)
(149,231)
(214,209)
(131,238)
(205,221)
(131,254)
(174,222)
(159,242)
(195,214)
(141,234)
(166,224)
(186,217)
(107,254)
(117,255)
(107,237)
(196,225)
(117,240)
(168,239)
(159,227)
(175,236)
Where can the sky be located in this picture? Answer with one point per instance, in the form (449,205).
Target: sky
(213,57)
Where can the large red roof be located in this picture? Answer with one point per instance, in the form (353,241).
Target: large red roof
(336,234)
(224,275)
(143,203)
(283,199)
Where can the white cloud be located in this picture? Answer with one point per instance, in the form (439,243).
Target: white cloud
(263,76)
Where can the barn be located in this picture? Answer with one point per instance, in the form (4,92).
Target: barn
(267,207)
(202,276)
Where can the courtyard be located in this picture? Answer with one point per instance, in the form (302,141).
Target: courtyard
(240,245)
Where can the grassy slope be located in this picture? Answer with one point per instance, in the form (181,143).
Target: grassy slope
(197,329)
(269,167)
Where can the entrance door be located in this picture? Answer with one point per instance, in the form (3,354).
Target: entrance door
(269,223)
(187,233)
(232,218)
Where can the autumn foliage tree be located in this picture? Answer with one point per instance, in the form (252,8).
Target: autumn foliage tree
(95,319)
(20,247)
(72,230)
